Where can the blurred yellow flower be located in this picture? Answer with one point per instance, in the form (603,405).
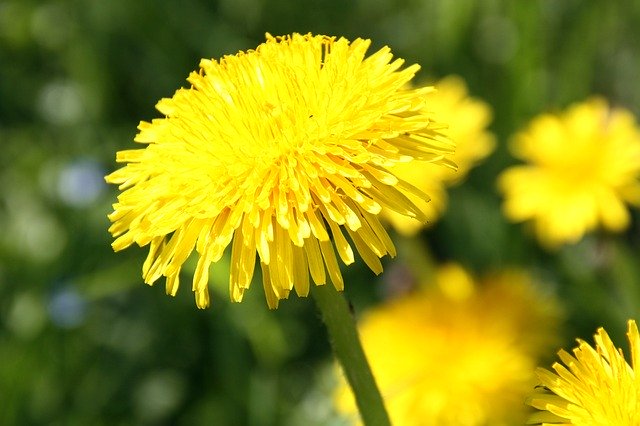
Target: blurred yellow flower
(583,165)
(593,387)
(276,151)
(461,354)
(467,119)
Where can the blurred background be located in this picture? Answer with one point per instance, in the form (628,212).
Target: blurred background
(84,341)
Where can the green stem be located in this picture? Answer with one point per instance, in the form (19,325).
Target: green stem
(348,350)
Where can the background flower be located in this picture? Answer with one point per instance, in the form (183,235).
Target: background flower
(593,387)
(461,353)
(583,166)
(467,119)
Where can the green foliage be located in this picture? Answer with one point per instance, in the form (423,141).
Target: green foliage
(82,341)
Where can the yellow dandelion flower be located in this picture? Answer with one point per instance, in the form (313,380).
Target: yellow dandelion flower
(583,166)
(593,387)
(467,119)
(277,151)
(463,354)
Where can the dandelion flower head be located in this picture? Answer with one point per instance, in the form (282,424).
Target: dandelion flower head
(593,387)
(582,167)
(461,354)
(279,152)
(467,119)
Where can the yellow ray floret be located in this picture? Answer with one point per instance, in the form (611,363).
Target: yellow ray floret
(278,151)
(595,386)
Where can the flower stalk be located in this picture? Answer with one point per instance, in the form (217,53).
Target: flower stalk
(347,348)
